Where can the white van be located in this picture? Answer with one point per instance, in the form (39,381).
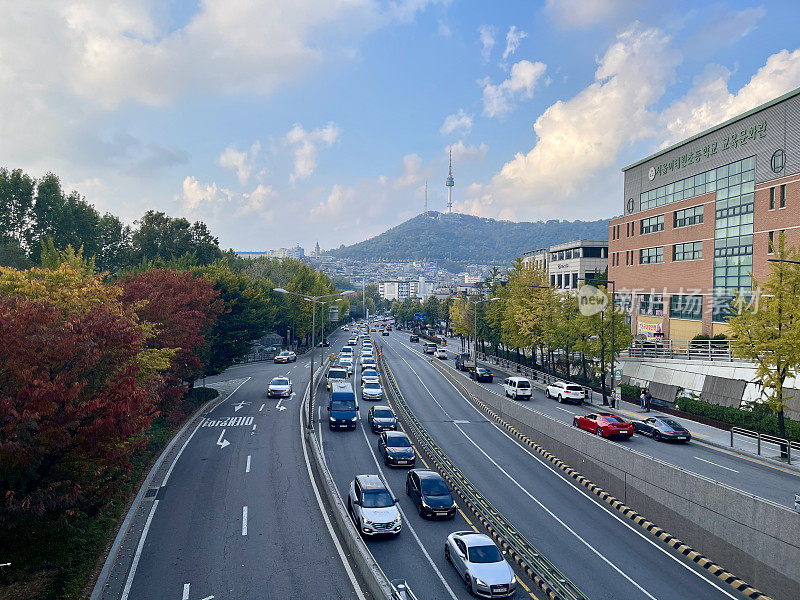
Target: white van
(517,388)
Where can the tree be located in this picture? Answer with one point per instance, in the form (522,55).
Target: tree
(766,329)
(16,207)
(162,237)
(430,308)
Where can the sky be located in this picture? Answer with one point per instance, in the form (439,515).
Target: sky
(279,122)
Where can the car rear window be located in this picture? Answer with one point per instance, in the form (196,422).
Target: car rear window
(613,420)
(673,424)
(574,388)
(523,384)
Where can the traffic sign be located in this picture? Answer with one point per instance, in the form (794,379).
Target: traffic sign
(420,317)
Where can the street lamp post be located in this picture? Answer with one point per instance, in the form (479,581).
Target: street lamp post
(313,300)
(613,310)
(475,304)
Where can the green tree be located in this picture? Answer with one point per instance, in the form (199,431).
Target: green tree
(430,308)
(163,237)
(16,207)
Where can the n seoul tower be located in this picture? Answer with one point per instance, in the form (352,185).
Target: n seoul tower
(450,183)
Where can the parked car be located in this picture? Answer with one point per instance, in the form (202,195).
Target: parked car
(279,387)
(286,356)
(463,362)
(429,492)
(480,564)
(565,392)
(381,418)
(604,425)
(481,374)
(441,353)
(396,449)
(662,429)
(372,506)
(336,374)
(372,391)
(518,388)
(413,338)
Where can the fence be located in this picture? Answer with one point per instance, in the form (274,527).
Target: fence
(785,445)
(719,350)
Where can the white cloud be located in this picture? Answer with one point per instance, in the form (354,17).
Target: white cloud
(254,202)
(709,101)
(209,199)
(581,137)
(580,14)
(487,36)
(462,153)
(498,100)
(241,162)
(195,194)
(513,38)
(459,120)
(305,147)
(334,206)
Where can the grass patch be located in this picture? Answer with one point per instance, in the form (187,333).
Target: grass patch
(54,558)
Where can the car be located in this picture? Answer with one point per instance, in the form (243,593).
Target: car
(368,363)
(380,418)
(396,449)
(430,347)
(463,362)
(279,387)
(346,363)
(385,333)
(480,564)
(370,376)
(413,338)
(342,407)
(565,392)
(430,494)
(324,344)
(604,425)
(346,351)
(441,353)
(518,387)
(481,374)
(372,507)
(286,356)
(372,390)
(662,429)
(388,328)
(336,374)
(352,342)
(373,329)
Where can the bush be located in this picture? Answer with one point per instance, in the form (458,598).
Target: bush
(631,391)
(760,419)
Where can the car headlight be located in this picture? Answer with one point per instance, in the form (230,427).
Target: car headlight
(480,582)
(331,419)
(354,419)
(425,504)
(367,522)
(396,520)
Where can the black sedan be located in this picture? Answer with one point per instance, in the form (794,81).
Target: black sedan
(430,494)
(396,449)
(481,374)
(662,429)
(413,338)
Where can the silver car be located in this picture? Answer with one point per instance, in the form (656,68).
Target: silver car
(480,564)
(372,391)
(279,387)
(286,356)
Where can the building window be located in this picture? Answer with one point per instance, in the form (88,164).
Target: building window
(652,225)
(651,255)
(783,196)
(772,198)
(688,216)
(687,251)
(593,252)
(733,226)
(771,245)
(686,307)
(651,305)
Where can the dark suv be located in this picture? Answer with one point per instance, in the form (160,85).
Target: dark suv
(413,338)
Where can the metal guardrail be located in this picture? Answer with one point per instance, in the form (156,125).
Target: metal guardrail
(549,579)
(719,350)
(770,439)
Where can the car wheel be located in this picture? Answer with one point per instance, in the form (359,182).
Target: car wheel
(408,491)
(560,399)
(546,393)
(420,511)
(599,432)
(447,553)
(468,583)
(574,422)
(657,436)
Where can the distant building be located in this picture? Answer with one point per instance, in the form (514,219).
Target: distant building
(571,263)
(398,290)
(537,259)
(295,252)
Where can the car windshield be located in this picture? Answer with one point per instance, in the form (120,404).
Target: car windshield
(377,499)
(484,554)
(337,374)
(383,413)
(673,424)
(523,384)
(284,353)
(372,385)
(398,441)
(433,486)
(280,381)
(343,405)
(370,373)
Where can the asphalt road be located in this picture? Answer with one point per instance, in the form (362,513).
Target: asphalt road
(240,521)
(606,557)
(752,476)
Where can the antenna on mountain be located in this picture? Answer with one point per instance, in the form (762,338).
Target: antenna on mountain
(426,197)
(450,183)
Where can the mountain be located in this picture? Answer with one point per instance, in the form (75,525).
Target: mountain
(454,240)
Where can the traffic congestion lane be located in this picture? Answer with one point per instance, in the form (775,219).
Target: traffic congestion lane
(601,553)
(229,522)
(748,475)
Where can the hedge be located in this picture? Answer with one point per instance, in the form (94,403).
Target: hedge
(760,419)
(631,391)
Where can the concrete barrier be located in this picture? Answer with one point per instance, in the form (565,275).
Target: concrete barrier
(755,538)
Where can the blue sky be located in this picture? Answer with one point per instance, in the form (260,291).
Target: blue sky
(289,121)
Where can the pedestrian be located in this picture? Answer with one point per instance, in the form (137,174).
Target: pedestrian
(647,398)
(641,399)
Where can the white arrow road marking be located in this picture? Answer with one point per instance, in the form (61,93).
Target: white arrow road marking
(222,443)
(244,520)
(239,405)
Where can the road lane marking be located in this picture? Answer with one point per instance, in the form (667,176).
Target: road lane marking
(405,518)
(247,468)
(589,498)
(331,531)
(221,442)
(715,464)
(129,582)
(244,520)
(185,591)
(262,407)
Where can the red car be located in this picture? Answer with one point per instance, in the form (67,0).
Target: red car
(604,425)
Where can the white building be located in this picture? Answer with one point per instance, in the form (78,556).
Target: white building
(399,290)
(571,263)
(295,252)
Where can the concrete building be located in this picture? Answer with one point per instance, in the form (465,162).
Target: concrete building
(571,263)
(537,259)
(295,252)
(398,290)
(701,216)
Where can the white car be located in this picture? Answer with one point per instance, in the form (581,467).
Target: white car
(480,564)
(518,387)
(369,375)
(372,506)
(565,392)
(441,353)
(286,356)
(371,390)
(279,387)
(346,363)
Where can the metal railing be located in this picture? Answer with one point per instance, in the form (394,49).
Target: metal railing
(681,349)
(784,444)
(542,571)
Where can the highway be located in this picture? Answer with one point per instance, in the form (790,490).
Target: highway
(772,482)
(239,520)
(606,557)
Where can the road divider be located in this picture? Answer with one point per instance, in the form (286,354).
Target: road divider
(758,537)
(544,574)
